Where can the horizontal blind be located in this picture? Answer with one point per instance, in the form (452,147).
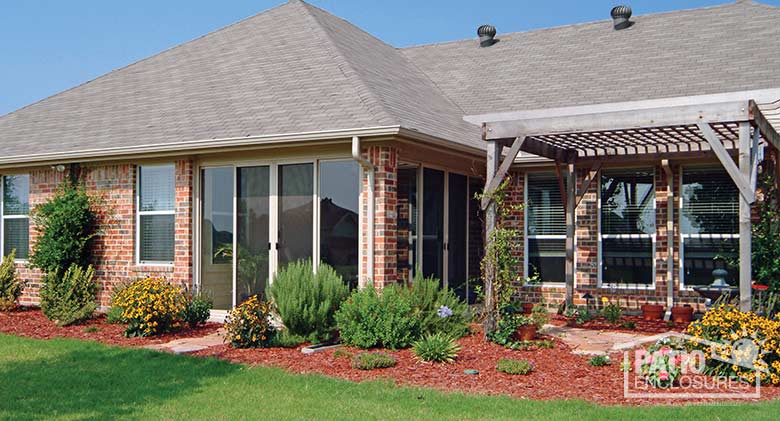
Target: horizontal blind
(710,202)
(16,236)
(158,188)
(157,238)
(545,206)
(627,202)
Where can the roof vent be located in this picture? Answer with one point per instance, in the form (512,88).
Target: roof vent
(487,35)
(620,17)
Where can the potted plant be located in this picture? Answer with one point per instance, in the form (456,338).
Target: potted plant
(652,311)
(526,328)
(682,314)
(527,308)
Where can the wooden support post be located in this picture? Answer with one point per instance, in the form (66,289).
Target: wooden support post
(493,160)
(498,175)
(745,229)
(571,193)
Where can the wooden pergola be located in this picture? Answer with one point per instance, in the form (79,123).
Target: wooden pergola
(589,136)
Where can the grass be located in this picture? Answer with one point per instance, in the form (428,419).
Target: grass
(69,379)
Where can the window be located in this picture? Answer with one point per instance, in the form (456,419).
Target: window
(545,228)
(709,225)
(15,209)
(627,232)
(156,214)
(339,217)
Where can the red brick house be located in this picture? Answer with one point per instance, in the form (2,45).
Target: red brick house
(294,134)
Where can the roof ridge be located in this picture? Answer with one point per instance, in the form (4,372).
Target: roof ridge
(139,61)
(379,109)
(593,22)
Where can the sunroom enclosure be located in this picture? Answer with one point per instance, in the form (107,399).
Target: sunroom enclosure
(631,134)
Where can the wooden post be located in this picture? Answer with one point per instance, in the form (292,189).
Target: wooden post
(571,192)
(493,160)
(745,229)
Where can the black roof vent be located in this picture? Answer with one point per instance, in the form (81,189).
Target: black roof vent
(620,17)
(487,35)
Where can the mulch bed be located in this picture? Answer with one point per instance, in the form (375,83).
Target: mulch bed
(32,323)
(651,327)
(558,373)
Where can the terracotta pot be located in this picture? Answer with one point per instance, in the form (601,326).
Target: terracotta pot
(682,314)
(652,312)
(528,308)
(526,332)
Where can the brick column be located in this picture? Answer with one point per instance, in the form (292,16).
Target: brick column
(385,159)
(183,258)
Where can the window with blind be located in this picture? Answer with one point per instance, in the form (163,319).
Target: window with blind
(156,214)
(627,227)
(545,228)
(15,210)
(709,225)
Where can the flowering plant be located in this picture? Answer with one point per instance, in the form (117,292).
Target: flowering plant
(444,312)
(249,324)
(150,306)
(661,365)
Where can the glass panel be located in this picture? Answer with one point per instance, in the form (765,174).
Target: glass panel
(157,188)
(16,195)
(710,202)
(458,224)
(627,261)
(157,242)
(339,218)
(547,258)
(407,209)
(545,207)
(216,273)
(17,236)
(433,223)
(703,255)
(627,202)
(253,233)
(296,212)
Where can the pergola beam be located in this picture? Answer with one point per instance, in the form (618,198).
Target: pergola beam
(767,131)
(592,174)
(622,119)
(547,150)
(496,179)
(742,181)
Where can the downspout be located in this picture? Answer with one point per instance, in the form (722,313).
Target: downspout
(369,168)
(669,238)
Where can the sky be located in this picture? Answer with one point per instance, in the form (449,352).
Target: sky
(47,46)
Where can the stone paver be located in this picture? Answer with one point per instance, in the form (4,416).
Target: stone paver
(188,345)
(592,342)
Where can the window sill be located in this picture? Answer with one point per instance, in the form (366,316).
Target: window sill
(628,287)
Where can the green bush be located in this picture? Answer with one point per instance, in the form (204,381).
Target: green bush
(612,312)
(372,360)
(510,366)
(307,302)
(599,360)
(70,297)
(114,315)
(436,348)
(249,324)
(285,339)
(67,225)
(197,309)
(368,319)
(10,284)
(341,353)
(438,309)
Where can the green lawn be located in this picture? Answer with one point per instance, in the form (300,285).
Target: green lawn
(78,380)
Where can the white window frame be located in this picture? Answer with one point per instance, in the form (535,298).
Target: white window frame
(4,217)
(527,237)
(601,237)
(684,236)
(139,213)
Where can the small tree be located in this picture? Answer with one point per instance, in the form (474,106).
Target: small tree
(10,284)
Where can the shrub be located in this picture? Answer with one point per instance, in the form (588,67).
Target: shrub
(285,339)
(510,366)
(249,324)
(661,365)
(436,348)
(438,309)
(367,319)
(341,353)
(114,315)
(70,297)
(628,324)
(726,324)
(539,315)
(306,302)
(66,225)
(612,312)
(10,284)
(197,309)
(599,360)
(150,306)
(372,360)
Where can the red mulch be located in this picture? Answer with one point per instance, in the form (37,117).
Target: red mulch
(641,326)
(558,373)
(32,323)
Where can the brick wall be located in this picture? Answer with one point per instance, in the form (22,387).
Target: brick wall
(114,248)
(385,159)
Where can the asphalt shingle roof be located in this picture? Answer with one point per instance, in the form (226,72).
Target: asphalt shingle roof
(296,68)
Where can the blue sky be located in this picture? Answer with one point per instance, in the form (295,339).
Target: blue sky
(47,46)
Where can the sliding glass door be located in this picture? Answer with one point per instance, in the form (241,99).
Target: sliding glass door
(216,245)
(252,226)
(296,213)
